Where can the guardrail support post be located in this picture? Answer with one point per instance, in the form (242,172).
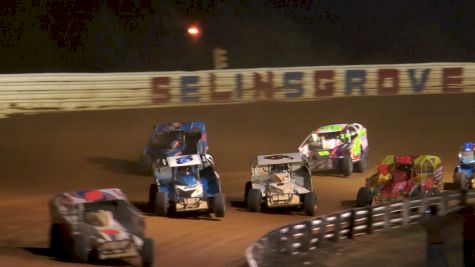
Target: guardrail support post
(443,204)
(337,226)
(322,231)
(405,211)
(369,220)
(351,226)
(387,221)
(306,241)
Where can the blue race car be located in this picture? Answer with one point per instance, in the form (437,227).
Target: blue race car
(187,183)
(172,139)
(465,171)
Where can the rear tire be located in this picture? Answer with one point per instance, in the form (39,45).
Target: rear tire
(364,197)
(162,203)
(219,205)
(254,200)
(361,165)
(309,204)
(346,167)
(147,252)
(247,187)
(460,181)
(144,165)
(152,194)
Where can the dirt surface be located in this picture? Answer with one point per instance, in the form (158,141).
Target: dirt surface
(48,153)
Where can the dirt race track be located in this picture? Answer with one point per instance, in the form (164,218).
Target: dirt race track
(52,152)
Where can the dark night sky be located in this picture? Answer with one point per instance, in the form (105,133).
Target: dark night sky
(147,35)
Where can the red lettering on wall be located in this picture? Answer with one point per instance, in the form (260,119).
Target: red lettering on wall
(323,82)
(215,95)
(385,76)
(160,90)
(264,87)
(452,79)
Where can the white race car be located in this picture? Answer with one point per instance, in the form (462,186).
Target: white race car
(98,225)
(280,180)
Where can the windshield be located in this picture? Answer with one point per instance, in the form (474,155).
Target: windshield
(324,140)
(467,155)
(119,209)
(168,140)
(186,175)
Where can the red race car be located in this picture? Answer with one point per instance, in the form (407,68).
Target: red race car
(399,176)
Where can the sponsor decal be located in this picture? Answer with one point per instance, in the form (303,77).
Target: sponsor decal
(277,157)
(184,159)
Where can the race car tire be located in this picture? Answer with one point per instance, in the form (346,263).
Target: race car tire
(144,165)
(55,244)
(152,194)
(346,167)
(81,248)
(247,187)
(364,197)
(415,191)
(360,166)
(147,252)
(254,200)
(309,204)
(81,243)
(460,181)
(219,205)
(161,203)
(65,251)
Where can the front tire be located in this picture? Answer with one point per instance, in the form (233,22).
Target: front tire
(309,204)
(364,197)
(254,200)
(147,252)
(460,181)
(219,205)
(55,244)
(162,203)
(152,194)
(346,167)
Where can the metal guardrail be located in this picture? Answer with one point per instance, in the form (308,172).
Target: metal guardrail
(312,234)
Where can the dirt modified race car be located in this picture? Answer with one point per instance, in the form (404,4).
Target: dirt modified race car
(341,147)
(187,183)
(400,176)
(98,225)
(464,173)
(280,180)
(172,139)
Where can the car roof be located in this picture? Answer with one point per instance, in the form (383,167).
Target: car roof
(180,126)
(94,195)
(273,159)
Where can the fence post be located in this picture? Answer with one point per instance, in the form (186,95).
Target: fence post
(443,204)
(423,207)
(387,221)
(369,220)
(305,242)
(337,226)
(321,233)
(351,225)
(405,211)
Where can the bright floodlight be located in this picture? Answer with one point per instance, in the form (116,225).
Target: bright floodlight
(193,30)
